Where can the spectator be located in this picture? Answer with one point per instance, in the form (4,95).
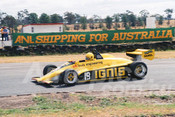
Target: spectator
(8,31)
(2,35)
(5,33)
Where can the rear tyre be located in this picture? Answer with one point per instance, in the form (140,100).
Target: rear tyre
(70,77)
(48,68)
(139,70)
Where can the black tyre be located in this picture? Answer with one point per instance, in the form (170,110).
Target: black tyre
(48,68)
(70,77)
(139,70)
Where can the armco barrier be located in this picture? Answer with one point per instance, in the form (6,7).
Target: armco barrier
(96,37)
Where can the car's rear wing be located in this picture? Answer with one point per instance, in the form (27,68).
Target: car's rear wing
(141,53)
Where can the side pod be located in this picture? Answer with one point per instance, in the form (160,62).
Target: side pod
(142,53)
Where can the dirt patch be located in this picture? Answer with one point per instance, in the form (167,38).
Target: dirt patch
(15,102)
(91,98)
(74,57)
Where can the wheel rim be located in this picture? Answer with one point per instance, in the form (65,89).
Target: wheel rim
(71,77)
(140,70)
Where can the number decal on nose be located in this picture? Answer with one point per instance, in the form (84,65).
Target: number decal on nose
(87,76)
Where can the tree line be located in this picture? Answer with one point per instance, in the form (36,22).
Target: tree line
(128,19)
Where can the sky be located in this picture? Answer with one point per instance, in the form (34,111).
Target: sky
(88,8)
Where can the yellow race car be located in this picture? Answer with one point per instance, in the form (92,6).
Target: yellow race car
(97,67)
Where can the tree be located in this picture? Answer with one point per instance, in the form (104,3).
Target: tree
(156,16)
(77,18)
(91,23)
(69,17)
(96,18)
(55,18)
(124,19)
(44,18)
(2,15)
(144,14)
(9,21)
(83,21)
(90,20)
(101,23)
(139,21)
(160,20)
(23,17)
(108,21)
(33,18)
(60,18)
(169,14)
(76,26)
(116,18)
(132,20)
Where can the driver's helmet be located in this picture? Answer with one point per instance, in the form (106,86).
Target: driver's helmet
(89,56)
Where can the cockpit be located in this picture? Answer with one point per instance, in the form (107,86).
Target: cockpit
(89,57)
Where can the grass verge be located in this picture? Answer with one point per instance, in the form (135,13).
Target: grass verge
(85,106)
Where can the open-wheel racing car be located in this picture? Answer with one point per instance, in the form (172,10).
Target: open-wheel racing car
(97,67)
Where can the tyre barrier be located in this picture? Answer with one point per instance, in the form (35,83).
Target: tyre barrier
(66,49)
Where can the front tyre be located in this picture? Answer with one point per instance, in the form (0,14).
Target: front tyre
(70,77)
(48,68)
(139,70)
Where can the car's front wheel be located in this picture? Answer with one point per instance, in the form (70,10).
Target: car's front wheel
(70,77)
(48,68)
(139,70)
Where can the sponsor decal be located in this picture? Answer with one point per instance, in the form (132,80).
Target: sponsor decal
(74,66)
(90,64)
(106,37)
(110,73)
(104,74)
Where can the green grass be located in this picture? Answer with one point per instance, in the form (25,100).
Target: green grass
(87,98)
(106,102)
(45,105)
(9,111)
(163,97)
(172,95)
(76,106)
(151,96)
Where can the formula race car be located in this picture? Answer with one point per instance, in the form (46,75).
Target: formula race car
(97,67)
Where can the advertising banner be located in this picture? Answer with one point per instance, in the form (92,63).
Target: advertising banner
(94,37)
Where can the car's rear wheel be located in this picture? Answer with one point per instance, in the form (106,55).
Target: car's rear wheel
(48,68)
(139,70)
(70,77)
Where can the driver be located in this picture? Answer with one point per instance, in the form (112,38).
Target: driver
(89,56)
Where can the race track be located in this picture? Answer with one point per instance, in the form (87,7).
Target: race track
(15,79)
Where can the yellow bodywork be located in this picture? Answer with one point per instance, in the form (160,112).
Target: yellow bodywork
(146,54)
(80,67)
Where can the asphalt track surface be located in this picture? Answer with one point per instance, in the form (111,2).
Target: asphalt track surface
(15,79)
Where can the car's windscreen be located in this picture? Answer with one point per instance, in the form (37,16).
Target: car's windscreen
(67,64)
